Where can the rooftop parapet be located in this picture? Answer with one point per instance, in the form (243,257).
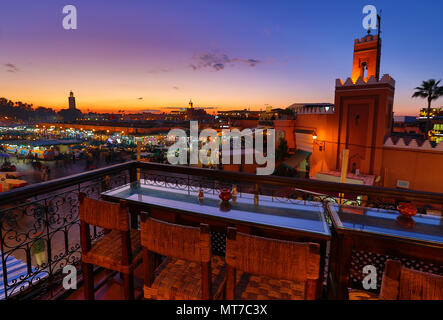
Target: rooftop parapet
(367,38)
(412,144)
(316,110)
(386,79)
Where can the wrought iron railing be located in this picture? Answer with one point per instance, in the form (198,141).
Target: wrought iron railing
(39,224)
(40,230)
(288,188)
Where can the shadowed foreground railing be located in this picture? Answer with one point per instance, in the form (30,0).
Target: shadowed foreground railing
(40,227)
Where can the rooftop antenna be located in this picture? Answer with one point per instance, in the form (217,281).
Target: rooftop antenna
(377,73)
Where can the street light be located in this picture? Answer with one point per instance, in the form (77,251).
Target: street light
(321,144)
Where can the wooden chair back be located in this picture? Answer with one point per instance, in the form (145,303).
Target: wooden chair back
(273,258)
(400,283)
(107,215)
(176,241)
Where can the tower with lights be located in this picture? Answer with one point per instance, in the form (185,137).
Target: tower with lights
(363,107)
(71,100)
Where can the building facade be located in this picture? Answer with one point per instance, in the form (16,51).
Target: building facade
(361,121)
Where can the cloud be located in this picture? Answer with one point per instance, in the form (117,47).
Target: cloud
(158,70)
(11,67)
(175,88)
(218,61)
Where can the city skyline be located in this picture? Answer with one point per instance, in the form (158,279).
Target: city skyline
(224,55)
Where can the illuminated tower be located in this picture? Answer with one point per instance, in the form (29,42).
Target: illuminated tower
(189,111)
(71,101)
(363,108)
(366,58)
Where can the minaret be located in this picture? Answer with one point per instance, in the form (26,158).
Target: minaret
(190,104)
(366,58)
(363,109)
(71,101)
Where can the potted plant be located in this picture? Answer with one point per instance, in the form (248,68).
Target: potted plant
(38,250)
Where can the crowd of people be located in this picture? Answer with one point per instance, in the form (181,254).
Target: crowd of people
(88,158)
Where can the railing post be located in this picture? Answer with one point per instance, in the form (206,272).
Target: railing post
(189,186)
(133,173)
(344,172)
(47,222)
(256,194)
(139,145)
(4,267)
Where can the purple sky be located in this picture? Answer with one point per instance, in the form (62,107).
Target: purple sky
(137,55)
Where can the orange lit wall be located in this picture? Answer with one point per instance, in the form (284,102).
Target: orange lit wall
(365,53)
(242,124)
(326,127)
(361,122)
(288,127)
(365,118)
(423,169)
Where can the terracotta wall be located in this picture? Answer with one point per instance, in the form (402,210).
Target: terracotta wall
(423,169)
(288,127)
(364,137)
(242,124)
(326,127)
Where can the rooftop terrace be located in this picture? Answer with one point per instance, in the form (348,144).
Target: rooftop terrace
(354,225)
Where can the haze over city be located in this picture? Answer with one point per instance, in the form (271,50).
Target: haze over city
(222,54)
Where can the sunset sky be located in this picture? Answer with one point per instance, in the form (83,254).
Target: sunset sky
(225,54)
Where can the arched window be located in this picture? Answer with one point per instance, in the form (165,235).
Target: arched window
(364,70)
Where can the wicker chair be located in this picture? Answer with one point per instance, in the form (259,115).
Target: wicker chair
(114,250)
(189,271)
(400,283)
(262,269)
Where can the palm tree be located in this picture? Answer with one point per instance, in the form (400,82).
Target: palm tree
(429,90)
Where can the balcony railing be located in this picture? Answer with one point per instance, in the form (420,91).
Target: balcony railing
(40,225)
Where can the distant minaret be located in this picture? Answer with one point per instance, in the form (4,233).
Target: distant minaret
(71,101)
(190,104)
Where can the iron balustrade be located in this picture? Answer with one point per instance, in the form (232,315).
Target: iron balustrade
(44,217)
(40,230)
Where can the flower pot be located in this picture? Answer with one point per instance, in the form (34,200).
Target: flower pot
(38,249)
(40,258)
(407,209)
(225,195)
